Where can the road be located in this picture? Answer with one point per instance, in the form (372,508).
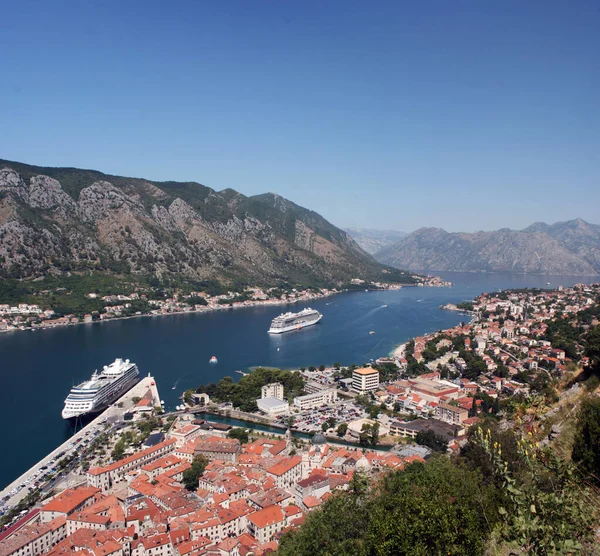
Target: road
(19,488)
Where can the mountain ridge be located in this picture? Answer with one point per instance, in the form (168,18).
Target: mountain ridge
(372,240)
(568,247)
(61,220)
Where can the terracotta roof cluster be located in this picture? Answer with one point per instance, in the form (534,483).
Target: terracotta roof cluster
(28,534)
(217,445)
(130,459)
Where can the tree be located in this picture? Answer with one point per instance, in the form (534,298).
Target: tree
(192,475)
(374,411)
(547,510)
(312,368)
(369,434)
(336,529)
(374,434)
(434,441)
(434,508)
(243,394)
(118,450)
(324,426)
(321,368)
(364,436)
(342,429)
(240,434)
(586,448)
(592,347)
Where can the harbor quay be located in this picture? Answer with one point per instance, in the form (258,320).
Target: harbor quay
(18,489)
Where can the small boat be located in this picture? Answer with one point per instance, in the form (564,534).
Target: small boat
(547,283)
(173,388)
(372,332)
(277,349)
(213,359)
(383,306)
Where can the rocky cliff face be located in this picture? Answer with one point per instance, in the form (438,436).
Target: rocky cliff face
(55,220)
(564,248)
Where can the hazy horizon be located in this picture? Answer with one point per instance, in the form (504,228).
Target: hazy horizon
(464,116)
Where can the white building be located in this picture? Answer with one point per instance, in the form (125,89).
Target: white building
(273,407)
(273,390)
(355,427)
(310,401)
(313,387)
(365,380)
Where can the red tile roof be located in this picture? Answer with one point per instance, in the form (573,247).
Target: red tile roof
(68,500)
(284,466)
(267,516)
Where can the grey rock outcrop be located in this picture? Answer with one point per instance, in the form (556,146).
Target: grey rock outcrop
(55,220)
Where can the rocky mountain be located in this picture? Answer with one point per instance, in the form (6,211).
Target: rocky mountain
(58,220)
(571,247)
(373,241)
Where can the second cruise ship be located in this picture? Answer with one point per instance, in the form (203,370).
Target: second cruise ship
(101,389)
(294,321)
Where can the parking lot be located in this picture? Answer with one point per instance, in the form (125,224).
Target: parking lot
(311,420)
(45,474)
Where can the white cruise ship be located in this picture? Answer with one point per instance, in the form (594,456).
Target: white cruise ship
(294,321)
(101,389)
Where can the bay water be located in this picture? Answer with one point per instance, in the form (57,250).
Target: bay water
(38,368)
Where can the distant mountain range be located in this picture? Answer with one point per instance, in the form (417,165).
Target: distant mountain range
(571,247)
(373,241)
(68,220)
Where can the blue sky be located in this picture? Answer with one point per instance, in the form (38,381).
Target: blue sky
(465,115)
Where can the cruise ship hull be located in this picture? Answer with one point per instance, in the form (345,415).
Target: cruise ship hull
(102,401)
(294,326)
(70,414)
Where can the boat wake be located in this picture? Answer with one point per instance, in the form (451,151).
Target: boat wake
(361,318)
(374,347)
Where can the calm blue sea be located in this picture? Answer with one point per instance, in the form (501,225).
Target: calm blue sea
(37,369)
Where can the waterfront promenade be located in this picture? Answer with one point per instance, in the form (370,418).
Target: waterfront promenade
(71,446)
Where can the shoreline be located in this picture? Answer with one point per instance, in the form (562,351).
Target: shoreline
(211,308)
(205,309)
(399,351)
(68,446)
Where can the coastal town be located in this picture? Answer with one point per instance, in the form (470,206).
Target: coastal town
(32,316)
(300,278)
(183,484)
